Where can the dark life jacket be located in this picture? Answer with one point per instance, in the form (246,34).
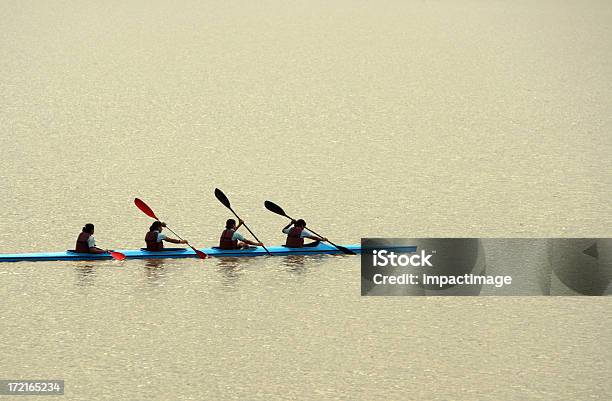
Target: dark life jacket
(226,241)
(294,238)
(151,240)
(82,244)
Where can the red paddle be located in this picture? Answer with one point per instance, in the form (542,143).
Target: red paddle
(117,255)
(149,212)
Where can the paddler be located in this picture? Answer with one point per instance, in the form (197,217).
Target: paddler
(86,243)
(232,239)
(297,233)
(155,239)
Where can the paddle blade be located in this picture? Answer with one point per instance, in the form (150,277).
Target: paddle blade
(222,198)
(117,255)
(345,250)
(274,208)
(200,254)
(145,208)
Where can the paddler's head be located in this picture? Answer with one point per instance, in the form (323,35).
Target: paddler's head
(156,226)
(89,228)
(300,223)
(230,224)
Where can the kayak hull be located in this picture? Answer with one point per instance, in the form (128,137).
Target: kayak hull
(321,249)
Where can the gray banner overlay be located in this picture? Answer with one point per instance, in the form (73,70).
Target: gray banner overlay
(486,266)
(31,387)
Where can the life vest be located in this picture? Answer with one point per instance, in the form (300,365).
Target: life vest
(151,240)
(82,244)
(226,241)
(294,238)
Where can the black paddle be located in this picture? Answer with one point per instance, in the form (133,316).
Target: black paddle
(274,208)
(223,199)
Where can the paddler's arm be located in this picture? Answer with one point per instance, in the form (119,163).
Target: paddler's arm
(246,241)
(176,241)
(95,249)
(240,223)
(286,228)
(239,237)
(323,239)
(310,235)
(164,238)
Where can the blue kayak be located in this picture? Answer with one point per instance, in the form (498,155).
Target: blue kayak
(321,249)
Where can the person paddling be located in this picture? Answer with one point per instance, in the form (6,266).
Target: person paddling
(155,239)
(232,239)
(297,233)
(86,243)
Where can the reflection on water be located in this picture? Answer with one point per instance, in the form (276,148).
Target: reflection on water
(300,263)
(295,263)
(86,274)
(154,263)
(229,263)
(231,271)
(154,271)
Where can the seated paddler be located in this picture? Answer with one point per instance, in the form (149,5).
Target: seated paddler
(296,232)
(155,238)
(232,239)
(86,243)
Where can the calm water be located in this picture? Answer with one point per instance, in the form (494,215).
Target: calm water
(367,119)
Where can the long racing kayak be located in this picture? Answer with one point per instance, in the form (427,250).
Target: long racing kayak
(321,249)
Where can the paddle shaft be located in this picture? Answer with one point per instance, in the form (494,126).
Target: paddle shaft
(114,254)
(315,233)
(274,208)
(249,230)
(179,237)
(149,212)
(172,231)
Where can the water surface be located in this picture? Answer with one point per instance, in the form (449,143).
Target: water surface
(407,118)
